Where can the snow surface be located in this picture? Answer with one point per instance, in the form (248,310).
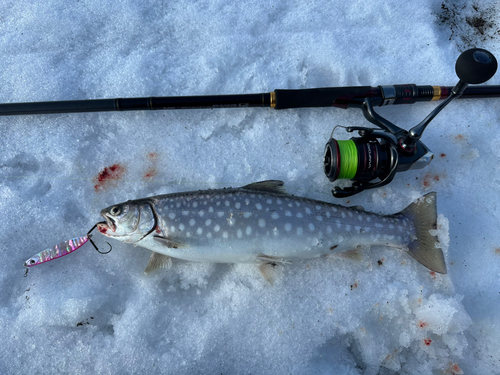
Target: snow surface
(89,313)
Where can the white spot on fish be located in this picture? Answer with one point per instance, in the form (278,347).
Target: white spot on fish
(288,213)
(210,209)
(185,213)
(247,214)
(350,214)
(208,222)
(311,227)
(247,201)
(378,225)
(391,226)
(269,201)
(201,213)
(329,229)
(288,227)
(195,204)
(308,211)
(290,204)
(360,218)
(217,227)
(348,227)
(300,231)
(262,223)
(192,222)
(199,231)
(318,208)
(343,215)
(299,215)
(188,234)
(275,231)
(237,205)
(248,231)
(368,218)
(181,227)
(178,205)
(220,213)
(225,234)
(172,229)
(171,216)
(258,206)
(209,235)
(327,214)
(319,218)
(275,215)
(227,203)
(279,201)
(357,228)
(400,228)
(239,233)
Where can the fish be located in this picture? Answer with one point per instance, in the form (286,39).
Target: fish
(261,223)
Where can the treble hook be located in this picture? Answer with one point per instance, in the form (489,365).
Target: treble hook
(89,236)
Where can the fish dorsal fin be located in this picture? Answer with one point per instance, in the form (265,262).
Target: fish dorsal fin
(158,260)
(272,186)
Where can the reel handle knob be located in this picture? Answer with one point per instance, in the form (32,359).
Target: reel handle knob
(475,66)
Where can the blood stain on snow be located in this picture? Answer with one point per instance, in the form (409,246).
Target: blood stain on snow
(454,369)
(433,274)
(422,324)
(152,171)
(427,342)
(107,176)
(497,251)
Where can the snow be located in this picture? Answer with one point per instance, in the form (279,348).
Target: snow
(384,314)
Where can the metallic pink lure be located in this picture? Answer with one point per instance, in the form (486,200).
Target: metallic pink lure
(62,249)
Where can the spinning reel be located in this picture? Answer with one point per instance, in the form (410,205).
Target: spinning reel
(373,159)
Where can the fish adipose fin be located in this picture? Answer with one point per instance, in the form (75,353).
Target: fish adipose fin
(425,248)
(272,186)
(267,267)
(158,260)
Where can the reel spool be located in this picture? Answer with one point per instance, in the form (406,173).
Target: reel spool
(373,159)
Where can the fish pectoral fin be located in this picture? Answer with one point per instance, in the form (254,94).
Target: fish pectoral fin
(272,186)
(267,267)
(167,242)
(158,260)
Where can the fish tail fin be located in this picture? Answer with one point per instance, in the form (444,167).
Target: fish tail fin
(425,248)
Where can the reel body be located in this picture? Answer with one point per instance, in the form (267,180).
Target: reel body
(373,159)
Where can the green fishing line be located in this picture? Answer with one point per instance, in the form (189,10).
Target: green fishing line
(348,159)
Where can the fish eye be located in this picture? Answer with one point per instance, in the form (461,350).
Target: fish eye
(115,210)
(32,261)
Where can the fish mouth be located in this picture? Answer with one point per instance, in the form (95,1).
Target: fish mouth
(110,223)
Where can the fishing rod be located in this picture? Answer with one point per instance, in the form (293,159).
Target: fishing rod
(370,160)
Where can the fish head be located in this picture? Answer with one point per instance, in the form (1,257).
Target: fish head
(128,222)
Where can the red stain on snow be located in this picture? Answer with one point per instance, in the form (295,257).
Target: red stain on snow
(107,176)
(151,171)
(454,369)
(427,342)
(422,324)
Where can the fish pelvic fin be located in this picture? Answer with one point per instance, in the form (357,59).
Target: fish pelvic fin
(267,267)
(158,260)
(425,248)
